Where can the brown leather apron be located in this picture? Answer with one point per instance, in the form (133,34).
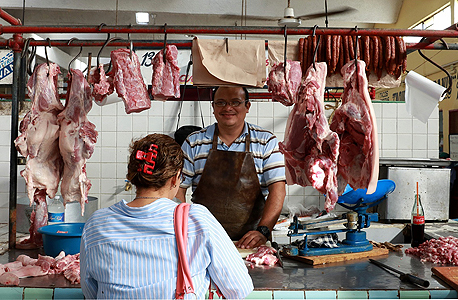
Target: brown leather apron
(230,189)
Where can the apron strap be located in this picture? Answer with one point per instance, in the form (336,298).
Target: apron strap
(247,139)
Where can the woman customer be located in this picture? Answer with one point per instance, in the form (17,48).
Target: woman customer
(128,250)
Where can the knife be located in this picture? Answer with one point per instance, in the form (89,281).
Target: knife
(404,276)
(277,254)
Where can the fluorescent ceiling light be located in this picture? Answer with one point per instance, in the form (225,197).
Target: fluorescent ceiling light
(142,18)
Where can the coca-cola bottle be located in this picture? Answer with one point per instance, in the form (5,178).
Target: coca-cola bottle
(417,222)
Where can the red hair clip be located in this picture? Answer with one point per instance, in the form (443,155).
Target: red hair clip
(148,157)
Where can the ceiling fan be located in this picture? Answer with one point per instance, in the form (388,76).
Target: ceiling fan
(291,21)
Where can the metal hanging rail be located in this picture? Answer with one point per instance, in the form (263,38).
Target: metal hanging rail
(226,30)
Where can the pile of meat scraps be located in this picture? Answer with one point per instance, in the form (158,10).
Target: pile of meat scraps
(311,149)
(439,251)
(264,256)
(25,266)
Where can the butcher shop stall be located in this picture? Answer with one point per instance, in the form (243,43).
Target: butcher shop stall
(363,106)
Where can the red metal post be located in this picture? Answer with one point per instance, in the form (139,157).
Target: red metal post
(9,18)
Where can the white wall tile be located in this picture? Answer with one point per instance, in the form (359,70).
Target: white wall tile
(419,142)
(433,126)
(108,170)
(108,123)
(404,153)
(266,110)
(433,141)
(95,188)
(402,112)
(389,141)
(433,153)
(107,139)
(404,142)
(109,109)
(123,139)
(122,155)
(124,123)
(140,123)
(389,126)
(420,153)
(419,127)
(157,109)
(389,110)
(92,169)
(108,155)
(404,126)
(121,170)
(389,153)
(377,110)
(96,110)
(156,124)
(5,153)
(171,109)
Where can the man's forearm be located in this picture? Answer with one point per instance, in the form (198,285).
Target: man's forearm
(274,204)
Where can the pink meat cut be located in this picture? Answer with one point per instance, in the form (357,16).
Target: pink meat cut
(166,74)
(263,256)
(128,81)
(103,85)
(311,149)
(40,132)
(39,142)
(284,88)
(76,140)
(354,121)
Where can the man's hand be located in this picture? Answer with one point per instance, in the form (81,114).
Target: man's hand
(251,240)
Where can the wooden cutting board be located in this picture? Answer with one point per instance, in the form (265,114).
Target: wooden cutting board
(325,259)
(447,274)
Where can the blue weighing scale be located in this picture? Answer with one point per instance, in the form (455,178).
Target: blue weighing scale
(356,200)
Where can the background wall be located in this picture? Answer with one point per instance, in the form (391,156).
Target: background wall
(399,136)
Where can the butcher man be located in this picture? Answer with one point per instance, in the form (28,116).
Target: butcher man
(236,170)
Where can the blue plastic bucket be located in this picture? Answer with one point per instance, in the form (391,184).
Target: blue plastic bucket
(62,237)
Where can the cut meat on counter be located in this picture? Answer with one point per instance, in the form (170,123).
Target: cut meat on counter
(39,142)
(438,251)
(284,85)
(76,140)
(354,121)
(166,74)
(128,81)
(103,85)
(264,256)
(311,149)
(68,265)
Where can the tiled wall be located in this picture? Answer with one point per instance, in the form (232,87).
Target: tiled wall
(399,136)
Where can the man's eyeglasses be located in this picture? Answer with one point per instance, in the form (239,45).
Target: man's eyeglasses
(233,103)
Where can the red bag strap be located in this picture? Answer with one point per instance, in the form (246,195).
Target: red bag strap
(184,281)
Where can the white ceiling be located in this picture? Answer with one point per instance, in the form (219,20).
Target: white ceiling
(193,13)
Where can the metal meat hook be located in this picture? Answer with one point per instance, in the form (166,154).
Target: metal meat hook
(315,51)
(46,53)
(79,53)
(100,51)
(30,56)
(165,42)
(449,88)
(286,46)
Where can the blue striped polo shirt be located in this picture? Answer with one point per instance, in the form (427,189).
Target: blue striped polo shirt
(268,160)
(131,253)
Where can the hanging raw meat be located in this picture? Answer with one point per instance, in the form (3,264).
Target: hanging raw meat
(39,143)
(284,88)
(166,74)
(76,140)
(102,84)
(354,121)
(128,81)
(311,149)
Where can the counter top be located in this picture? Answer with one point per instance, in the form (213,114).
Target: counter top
(350,275)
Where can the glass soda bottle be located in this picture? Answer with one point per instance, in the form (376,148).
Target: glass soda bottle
(417,222)
(56,211)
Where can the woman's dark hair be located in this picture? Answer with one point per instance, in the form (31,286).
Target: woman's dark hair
(168,163)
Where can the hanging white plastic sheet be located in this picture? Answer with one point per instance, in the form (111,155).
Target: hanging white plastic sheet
(422,96)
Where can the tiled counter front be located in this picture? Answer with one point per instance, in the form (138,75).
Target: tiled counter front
(19,293)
